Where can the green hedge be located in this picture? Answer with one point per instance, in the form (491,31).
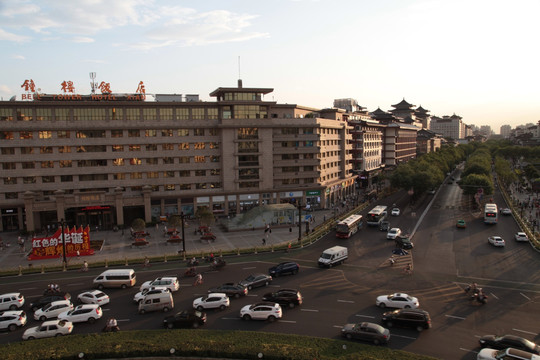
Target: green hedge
(200,343)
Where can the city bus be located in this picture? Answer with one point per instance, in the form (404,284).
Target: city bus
(491,214)
(376,215)
(349,226)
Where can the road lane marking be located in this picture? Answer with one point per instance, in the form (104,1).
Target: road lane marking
(75,284)
(402,336)
(288,321)
(228,318)
(468,350)
(123,320)
(338,326)
(251,295)
(249,268)
(367,316)
(492,294)
(525,296)
(346,301)
(24,289)
(526,332)
(312,310)
(455,317)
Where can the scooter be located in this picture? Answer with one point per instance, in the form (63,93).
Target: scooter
(191,272)
(110,329)
(192,262)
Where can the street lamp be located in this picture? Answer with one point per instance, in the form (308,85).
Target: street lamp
(183,235)
(299,220)
(63,224)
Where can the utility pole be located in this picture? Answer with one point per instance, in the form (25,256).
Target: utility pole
(183,234)
(299,220)
(62,224)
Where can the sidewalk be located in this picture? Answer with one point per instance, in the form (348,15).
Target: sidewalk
(118,247)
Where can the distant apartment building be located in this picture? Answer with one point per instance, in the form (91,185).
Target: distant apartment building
(427,141)
(505,131)
(367,149)
(448,126)
(486,130)
(106,160)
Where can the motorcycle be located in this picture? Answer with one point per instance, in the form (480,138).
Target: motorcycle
(110,329)
(219,264)
(190,272)
(479,297)
(192,262)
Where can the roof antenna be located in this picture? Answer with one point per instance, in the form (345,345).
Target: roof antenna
(239,77)
(93,84)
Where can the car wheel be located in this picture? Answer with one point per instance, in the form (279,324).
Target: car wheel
(389,324)
(271,318)
(419,328)
(266,283)
(376,342)
(246,317)
(291,305)
(170,325)
(31,338)
(91,320)
(58,334)
(348,336)
(382,305)
(142,311)
(165,309)
(294,272)
(407,306)
(12,327)
(42,318)
(140,301)
(123,286)
(13,307)
(222,307)
(100,287)
(200,308)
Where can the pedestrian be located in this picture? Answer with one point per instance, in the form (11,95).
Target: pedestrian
(85,266)
(146,262)
(264,241)
(78,254)
(289,247)
(198,279)
(408,269)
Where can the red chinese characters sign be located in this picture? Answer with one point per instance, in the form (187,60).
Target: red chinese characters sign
(51,246)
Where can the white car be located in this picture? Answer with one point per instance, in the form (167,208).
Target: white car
(212,301)
(261,311)
(93,297)
(12,319)
(397,300)
(506,354)
(153,290)
(521,236)
(393,233)
(170,282)
(82,313)
(396,212)
(496,241)
(52,310)
(11,301)
(48,329)
(506,211)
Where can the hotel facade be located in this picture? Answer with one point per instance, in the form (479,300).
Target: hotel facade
(104,160)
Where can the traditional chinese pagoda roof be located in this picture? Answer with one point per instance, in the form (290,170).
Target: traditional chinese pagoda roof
(379,112)
(421,111)
(403,105)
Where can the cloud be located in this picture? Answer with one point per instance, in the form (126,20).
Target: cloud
(7,36)
(82,39)
(95,61)
(18,57)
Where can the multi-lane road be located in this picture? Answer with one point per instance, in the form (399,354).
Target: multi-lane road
(445,259)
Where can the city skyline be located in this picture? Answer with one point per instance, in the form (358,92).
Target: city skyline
(473,59)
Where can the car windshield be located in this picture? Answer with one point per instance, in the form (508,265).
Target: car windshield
(100,295)
(326,256)
(250,278)
(46,307)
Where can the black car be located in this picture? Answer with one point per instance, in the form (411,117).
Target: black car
(404,242)
(231,289)
(187,318)
(47,299)
(384,225)
(415,318)
(366,331)
(284,297)
(256,280)
(289,267)
(506,341)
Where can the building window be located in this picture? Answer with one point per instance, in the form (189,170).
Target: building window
(151,147)
(149,114)
(169,187)
(213,145)
(215,158)
(185,186)
(47,164)
(45,134)
(134,147)
(152,161)
(118,162)
(6,114)
(116,114)
(213,132)
(248,147)
(8,151)
(47,179)
(64,149)
(91,163)
(168,174)
(184,159)
(133,114)
(28,165)
(248,133)
(168,160)
(65,163)
(134,133)
(61,114)
(135,161)
(183,146)
(200,186)
(66,178)
(215,185)
(25,115)
(117,133)
(198,132)
(62,134)
(248,184)
(198,146)
(167,146)
(183,132)
(6,135)
(197,113)
(10,180)
(166,132)
(29,180)
(90,134)
(150,133)
(185,173)
(136,175)
(116,148)
(93,177)
(182,114)
(24,135)
(215,172)
(152,175)
(11,195)
(119,176)
(200,172)
(166,114)
(212,113)
(200,159)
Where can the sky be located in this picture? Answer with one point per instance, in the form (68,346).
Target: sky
(479,59)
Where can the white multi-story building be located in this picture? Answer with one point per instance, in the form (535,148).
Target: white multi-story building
(505,131)
(448,126)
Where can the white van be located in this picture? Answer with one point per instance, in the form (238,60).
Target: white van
(157,302)
(121,278)
(333,256)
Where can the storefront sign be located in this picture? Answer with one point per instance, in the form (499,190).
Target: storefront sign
(313,193)
(51,246)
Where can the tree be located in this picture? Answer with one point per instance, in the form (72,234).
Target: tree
(138,224)
(472,182)
(174,221)
(205,216)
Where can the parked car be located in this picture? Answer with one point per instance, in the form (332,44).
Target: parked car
(393,233)
(404,242)
(395,212)
(256,280)
(384,225)
(496,241)
(231,289)
(82,313)
(397,300)
(366,331)
(284,297)
(93,297)
(187,318)
(288,267)
(12,319)
(414,318)
(506,211)
(509,341)
(52,310)
(262,311)
(11,301)
(47,299)
(49,328)
(506,354)
(212,301)
(152,290)
(170,282)
(521,236)
(461,224)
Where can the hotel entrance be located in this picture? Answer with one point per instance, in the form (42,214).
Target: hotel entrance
(96,217)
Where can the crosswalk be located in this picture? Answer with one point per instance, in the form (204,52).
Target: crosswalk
(332,280)
(446,292)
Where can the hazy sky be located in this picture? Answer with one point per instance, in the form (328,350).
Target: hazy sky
(479,59)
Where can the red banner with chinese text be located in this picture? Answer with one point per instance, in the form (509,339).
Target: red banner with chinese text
(51,246)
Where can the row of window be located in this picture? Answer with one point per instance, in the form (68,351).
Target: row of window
(90,134)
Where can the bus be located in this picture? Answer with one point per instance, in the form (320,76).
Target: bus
(376,215)
(349,226)
(491,214)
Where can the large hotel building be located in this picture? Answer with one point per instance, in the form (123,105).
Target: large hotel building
(104,160)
